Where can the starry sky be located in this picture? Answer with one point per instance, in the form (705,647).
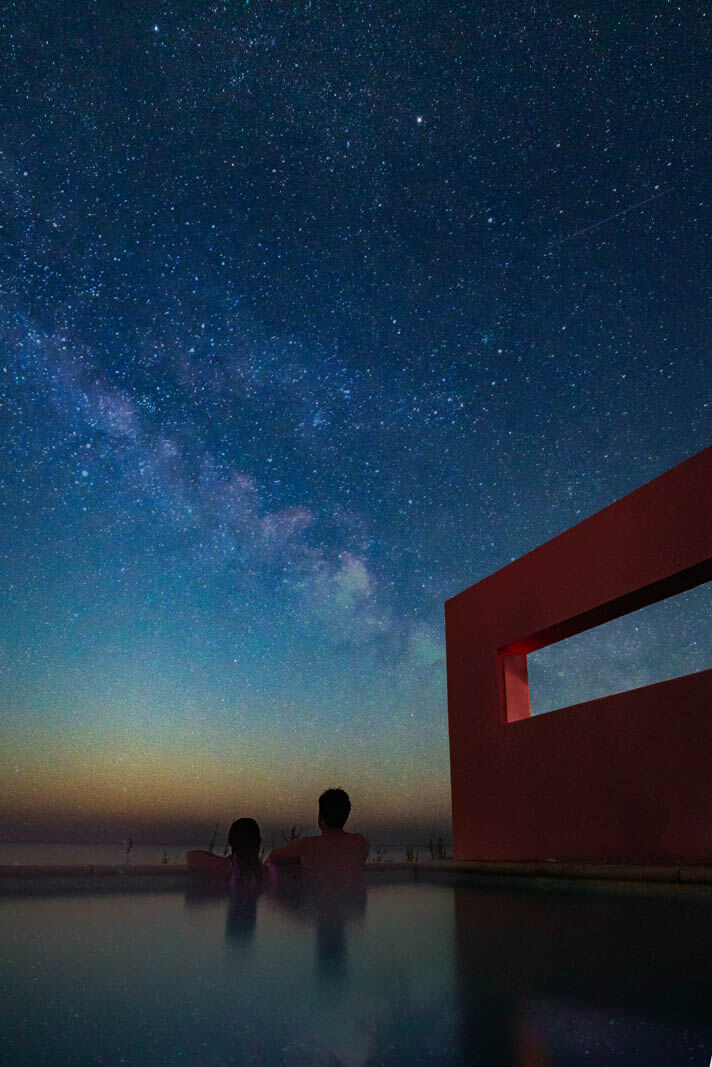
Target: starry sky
(312,315)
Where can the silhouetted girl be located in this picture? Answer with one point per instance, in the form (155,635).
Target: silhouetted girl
(243,866)
(245,840)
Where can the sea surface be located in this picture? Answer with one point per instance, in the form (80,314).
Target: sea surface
(58,855)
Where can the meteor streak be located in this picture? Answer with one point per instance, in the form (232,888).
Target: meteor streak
(609,218)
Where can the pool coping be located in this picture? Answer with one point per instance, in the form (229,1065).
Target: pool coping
(515,871)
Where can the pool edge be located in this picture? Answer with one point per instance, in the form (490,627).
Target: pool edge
(522,874)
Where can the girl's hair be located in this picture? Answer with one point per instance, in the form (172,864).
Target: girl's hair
(245,840)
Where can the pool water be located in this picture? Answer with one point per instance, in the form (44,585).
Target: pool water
(408,973)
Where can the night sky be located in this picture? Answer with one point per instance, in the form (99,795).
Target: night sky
(312,315)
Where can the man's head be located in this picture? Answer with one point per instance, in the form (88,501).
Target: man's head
(334,808)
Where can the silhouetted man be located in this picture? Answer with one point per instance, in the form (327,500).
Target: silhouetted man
(335,853)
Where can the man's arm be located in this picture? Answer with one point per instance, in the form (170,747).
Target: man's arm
(287,855)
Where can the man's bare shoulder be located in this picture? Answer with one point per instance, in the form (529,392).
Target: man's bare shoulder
(360,844)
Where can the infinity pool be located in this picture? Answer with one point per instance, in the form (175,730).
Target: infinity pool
(406,973)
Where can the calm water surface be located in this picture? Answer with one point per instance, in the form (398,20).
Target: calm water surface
(398,974)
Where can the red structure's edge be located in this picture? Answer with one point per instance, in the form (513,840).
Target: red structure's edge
(624,779)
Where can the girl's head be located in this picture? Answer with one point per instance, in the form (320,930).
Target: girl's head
(244,838)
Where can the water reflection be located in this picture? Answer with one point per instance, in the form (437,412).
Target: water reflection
(554,979)
(241,919)
(240,904)
(329,908)
(330,979)
(407,974)
(308,900)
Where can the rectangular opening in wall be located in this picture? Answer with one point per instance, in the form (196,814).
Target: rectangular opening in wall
(664,640)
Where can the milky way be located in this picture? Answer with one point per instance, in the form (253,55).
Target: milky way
(296,344)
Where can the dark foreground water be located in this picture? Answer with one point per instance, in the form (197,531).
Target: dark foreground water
(399,974)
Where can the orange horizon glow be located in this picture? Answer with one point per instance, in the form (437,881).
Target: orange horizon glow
(115,780)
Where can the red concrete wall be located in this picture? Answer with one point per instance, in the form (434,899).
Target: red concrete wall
(627,778)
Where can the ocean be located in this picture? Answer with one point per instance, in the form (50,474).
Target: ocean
(57,855)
